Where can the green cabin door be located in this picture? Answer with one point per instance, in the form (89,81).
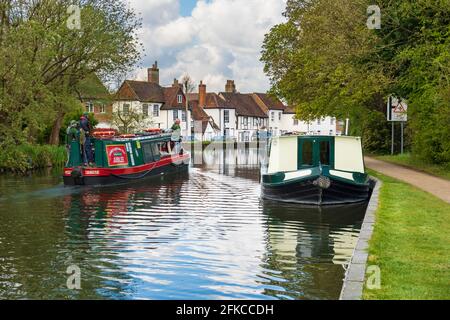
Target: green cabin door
(315,151)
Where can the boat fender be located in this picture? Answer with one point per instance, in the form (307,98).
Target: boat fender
(322,182)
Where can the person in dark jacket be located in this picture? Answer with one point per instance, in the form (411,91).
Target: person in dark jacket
(86,128)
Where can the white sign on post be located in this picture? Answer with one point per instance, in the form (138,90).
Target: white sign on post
(397,110)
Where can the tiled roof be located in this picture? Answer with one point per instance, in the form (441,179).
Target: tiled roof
(171,100)
(146,91)
(198,114)
(244,104)
(213,100)
(268,102)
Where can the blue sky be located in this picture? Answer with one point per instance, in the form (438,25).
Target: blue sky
(211,40)
(186,7)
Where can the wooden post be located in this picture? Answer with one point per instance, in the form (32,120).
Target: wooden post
(392,139)
(402,124)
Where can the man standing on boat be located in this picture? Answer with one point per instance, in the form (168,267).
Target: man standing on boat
(176,136)
(72,135)
(86,130)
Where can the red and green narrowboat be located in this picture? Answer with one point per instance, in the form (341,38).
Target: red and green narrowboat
(316,170)
(124,158)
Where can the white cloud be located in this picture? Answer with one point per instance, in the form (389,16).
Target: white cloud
(221,40)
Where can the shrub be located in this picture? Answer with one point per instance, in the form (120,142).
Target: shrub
(21,158)
(430,121)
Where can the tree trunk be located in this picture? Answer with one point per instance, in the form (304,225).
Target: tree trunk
(54,137)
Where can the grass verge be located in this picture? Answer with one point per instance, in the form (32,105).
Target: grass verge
(410,161)
(410,244)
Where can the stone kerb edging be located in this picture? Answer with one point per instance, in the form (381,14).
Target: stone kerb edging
(355,274)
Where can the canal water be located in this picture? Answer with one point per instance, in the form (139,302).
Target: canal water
(202,235)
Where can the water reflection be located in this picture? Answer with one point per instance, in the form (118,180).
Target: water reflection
(203,235)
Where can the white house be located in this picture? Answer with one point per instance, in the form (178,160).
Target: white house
(228,114)
(161,105)
(274,109)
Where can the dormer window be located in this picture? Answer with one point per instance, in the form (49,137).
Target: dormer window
(180,98)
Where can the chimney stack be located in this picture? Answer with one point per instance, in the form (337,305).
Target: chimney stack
(202,94)
(176,83)
(153,73)
(230,87)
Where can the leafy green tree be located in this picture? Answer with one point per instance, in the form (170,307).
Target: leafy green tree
(415,50)
(326,61)
(42,59)
(317,59)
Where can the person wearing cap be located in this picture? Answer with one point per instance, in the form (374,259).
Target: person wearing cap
(85,132)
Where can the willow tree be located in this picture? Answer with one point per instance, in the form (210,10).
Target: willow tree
(47,47)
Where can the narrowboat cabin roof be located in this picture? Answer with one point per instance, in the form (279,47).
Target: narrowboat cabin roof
(295,152)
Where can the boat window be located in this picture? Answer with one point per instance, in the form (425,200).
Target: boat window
(156,152)
(147,152)
(325,153)
(307,153)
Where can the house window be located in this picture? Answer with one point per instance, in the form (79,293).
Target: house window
(175,115)
(126,108)
(183,115)
(145,110)
(155,110)
(180,98)
(295,122)
(332,121)
(279,116)
(255,122)
(90,107)
(102,109)
(318,121)
(226,116)
(272,116)
(246,121)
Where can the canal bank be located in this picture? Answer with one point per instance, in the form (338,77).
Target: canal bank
(355,275)
(410,244)
(403,247)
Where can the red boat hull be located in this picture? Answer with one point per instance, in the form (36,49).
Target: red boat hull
(104,176)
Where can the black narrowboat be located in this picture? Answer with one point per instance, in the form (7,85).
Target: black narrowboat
(124,159)
(316,170)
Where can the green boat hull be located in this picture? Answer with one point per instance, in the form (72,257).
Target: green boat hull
(318,188)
